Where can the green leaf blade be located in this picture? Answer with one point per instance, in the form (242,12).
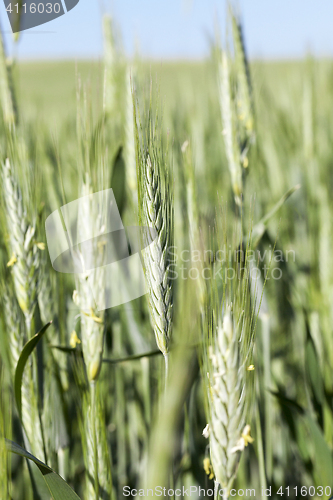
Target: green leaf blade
(26,351)
(57,486)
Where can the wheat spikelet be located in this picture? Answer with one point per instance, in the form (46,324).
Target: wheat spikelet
(24,252)
(244,90)
(155,211)
(229,127)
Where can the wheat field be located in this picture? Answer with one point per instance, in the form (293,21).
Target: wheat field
(219,377)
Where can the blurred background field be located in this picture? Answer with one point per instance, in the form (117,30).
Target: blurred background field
(47,89)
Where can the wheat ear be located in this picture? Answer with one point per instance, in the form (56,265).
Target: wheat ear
(244,88)
(156,213)
(225,379)
(25,258)
(228,344)
(237,107)
(230,127)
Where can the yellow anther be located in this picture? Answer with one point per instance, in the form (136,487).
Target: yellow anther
(12,261)
(74,340)
(93,316)
(208,468)
(246,435)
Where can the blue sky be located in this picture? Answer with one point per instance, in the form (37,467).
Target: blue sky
(165,29)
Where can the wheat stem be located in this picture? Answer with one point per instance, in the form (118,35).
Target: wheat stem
(166,363)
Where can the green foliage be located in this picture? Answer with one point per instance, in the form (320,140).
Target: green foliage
(22,361)
(58,488)
(272,167)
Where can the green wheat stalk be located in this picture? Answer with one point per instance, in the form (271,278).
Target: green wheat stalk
(90,292)
(95,448)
